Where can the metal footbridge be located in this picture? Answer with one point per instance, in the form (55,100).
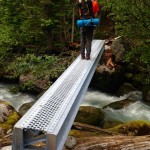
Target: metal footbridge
(49,120)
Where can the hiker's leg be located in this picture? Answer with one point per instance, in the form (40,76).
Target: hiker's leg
(83,41)
(89,39)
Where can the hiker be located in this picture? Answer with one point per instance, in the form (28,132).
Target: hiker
(88,9)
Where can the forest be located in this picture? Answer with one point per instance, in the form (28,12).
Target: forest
(35,36)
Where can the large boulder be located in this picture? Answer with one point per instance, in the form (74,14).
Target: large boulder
(107,80)
(119,48)
(31,82)
(25,107)
(89,115)
(125,89)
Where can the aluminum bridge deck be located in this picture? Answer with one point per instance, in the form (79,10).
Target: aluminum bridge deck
(50,118)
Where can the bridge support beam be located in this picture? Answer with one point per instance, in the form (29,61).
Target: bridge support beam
(49,120)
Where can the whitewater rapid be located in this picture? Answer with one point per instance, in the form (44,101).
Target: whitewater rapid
(135,111)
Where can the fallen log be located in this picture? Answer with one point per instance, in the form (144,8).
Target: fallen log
(117,142)
(86,127)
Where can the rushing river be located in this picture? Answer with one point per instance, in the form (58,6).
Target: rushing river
(136,111)
(16,100)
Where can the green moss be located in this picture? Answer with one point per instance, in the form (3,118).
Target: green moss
(110,124)
(12,119)
(79,133)
(4,102)
(5,126)
(137,128)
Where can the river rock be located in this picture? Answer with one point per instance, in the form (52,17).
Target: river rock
(107,80)
(120,104)
(5,110)
(8,117)
(25,107)
(89,115)
(32,82)
(119,48)
(70,142)
(125,89)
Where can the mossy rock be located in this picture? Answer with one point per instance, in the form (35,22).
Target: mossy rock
(109,124)
(120,104)
(13,118)
(25,107)
(80,133)
(135,128)
(90,115)
(5,111)
(9,116)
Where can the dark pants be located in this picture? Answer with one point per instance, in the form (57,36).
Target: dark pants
(86,33)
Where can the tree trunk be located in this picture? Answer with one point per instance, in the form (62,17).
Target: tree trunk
(73,14)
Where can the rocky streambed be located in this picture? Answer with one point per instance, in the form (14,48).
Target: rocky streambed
(103,122)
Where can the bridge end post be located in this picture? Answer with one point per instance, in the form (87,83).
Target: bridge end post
(51,142)
(17,143)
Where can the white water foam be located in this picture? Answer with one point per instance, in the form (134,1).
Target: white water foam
(16,100)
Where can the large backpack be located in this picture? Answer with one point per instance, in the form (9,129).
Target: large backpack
(85,7)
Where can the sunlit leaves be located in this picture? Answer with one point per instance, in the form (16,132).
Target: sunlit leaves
(37,65)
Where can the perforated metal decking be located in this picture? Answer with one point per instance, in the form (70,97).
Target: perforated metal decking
(50,118)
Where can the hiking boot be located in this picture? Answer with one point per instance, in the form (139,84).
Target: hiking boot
(87,56)
(82,56)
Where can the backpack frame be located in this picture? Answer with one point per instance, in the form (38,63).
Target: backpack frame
(85,7)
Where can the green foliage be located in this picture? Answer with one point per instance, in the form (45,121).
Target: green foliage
(36,65)
(34,25)
(132,21)
(139,57)
(131,17)
(28,85)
